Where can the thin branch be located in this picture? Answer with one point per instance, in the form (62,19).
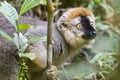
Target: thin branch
(50,11)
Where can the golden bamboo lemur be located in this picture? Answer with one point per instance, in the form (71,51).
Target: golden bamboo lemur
(74,30)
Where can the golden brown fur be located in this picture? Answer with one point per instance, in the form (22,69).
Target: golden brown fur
(79,12)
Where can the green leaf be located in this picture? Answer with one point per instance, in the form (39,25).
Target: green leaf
(31,56)
(27,5)
(24,27)
(43,2)
(9,12)
(97,1)
(6,36)
(36,39)
(101,26)
(91,5)
(96,58)
(100,63)
(20,42)
(101,75)
(109,10)
(15,40)
(23,42)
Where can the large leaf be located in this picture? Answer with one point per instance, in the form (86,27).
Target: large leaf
(27,5)
(31,56)
(5,35)
(9,12)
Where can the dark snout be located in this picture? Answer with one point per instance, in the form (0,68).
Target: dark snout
(90,34)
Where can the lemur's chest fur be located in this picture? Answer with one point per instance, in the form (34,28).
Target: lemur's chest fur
(62,51)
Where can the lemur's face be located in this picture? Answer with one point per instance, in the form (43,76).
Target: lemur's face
(83,26)
(77,26)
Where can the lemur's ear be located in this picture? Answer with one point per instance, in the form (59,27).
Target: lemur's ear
(62,27)
(58,13)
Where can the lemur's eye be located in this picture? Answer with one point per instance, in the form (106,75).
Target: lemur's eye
(79,26)
(92,24)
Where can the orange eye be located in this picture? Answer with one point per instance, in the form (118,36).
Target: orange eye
(79,26)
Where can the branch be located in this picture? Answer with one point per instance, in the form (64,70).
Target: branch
(50,10)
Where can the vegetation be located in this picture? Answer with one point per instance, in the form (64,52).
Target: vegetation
(103,66)
(19,39)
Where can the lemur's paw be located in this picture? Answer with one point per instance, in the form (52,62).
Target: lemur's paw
(52,72)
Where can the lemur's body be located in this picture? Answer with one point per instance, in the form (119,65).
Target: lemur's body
(75,29)
(61,50)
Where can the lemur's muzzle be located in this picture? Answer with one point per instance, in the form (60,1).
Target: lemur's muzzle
(90,33)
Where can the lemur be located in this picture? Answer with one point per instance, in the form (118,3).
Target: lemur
(74,30)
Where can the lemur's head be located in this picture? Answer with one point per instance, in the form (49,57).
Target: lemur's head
(77,25)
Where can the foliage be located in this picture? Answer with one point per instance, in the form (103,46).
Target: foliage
(9,12)
(19,39)
(22,27)
(104,60)
(28,4)
(105,63)
(5,35)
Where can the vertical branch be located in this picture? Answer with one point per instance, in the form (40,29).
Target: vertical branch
(17,5)
(50,10)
